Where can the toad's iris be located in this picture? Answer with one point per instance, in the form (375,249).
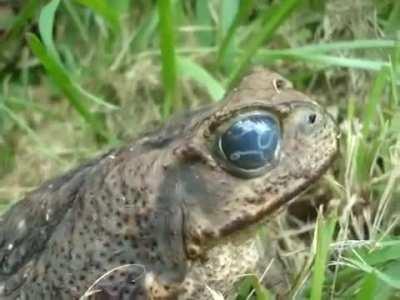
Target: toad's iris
(251,142)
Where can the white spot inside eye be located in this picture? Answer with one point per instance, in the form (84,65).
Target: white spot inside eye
(21,225)
(111,156)
(50,186)
(131,149)
(10,247)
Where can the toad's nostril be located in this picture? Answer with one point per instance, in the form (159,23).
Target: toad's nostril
(312,118)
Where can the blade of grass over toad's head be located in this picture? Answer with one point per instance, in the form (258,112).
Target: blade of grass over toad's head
(322,240)
(272,19)
(267,57)
(64,82)
(188,68)
(46,22)
(172,99)
(316,53)
(342,45)
(243,11)
(104,9)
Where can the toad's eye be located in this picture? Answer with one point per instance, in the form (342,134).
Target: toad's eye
(251,142)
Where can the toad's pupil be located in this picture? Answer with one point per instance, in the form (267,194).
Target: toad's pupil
(251,142)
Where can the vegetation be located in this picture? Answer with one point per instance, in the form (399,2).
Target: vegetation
(81,76)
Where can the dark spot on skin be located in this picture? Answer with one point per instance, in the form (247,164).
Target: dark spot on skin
(125,219)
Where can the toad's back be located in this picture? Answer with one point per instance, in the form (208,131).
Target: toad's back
(140,221)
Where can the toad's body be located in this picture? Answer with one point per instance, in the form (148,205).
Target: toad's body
(140,222)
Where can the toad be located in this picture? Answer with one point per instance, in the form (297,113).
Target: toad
(175,211)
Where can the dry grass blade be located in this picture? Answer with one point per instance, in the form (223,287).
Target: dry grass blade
(91,291)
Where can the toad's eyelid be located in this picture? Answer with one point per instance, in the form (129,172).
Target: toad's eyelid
(240,112)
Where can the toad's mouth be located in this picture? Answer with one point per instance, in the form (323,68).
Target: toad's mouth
(273,203)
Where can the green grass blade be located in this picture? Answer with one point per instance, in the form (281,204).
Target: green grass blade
(71,10)
(121,6)
(188,68)
(274,17)
(104,9)
(229,11)
(145,32)
(27,12)
(344,45)
(168,59)
(392,280)
(324,232)
(251,285)
(64,82)
(368,288)
(20,122)
(243,11)
(394,75)
(267,57)
(370,108)
(25,15)
(393,22)
(46,25)
(204,19)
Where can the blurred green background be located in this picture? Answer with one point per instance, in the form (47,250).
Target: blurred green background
(79,77)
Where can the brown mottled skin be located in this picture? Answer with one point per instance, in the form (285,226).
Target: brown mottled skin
(147,221)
